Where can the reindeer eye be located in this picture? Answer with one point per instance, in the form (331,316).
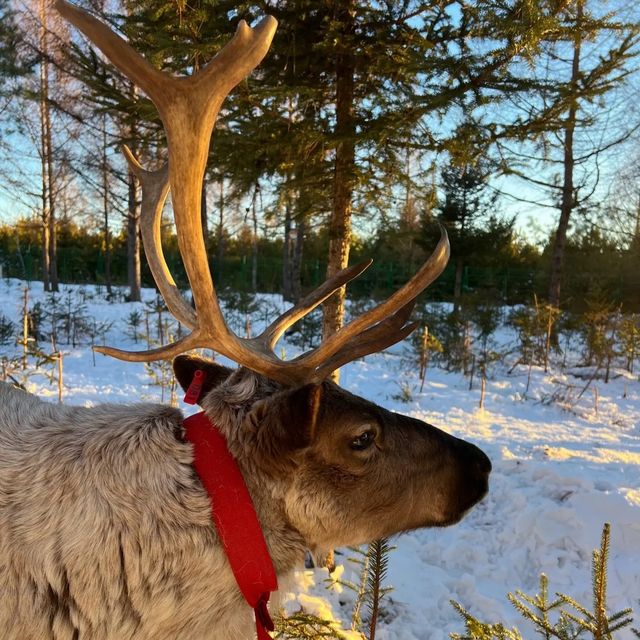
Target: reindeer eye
(363,441)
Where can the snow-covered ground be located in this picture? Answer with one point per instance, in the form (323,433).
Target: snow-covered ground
(560,471)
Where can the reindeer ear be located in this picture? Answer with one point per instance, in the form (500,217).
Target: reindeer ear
(185,366)
(286,421)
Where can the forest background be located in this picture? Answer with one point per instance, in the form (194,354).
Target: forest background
(514,123)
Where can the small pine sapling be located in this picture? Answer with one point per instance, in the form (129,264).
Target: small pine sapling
(98,329)
(9,368)
(303,625)
(305,334)
(629,338)
(563,617)
(60,378)
(487,352)
(523,321)
(477,630)
(375,591)
(454,332)
(547,318)
(537,609)
(404,393)
(7,330)
(240,306)
(370,588)
(429,345)
(359,559)
(535,326)
(599,332)
(55,374)
(134,320)
(147,329)
(52,313)
(74,319)
(31,320)
(157,308)
(596,621)
(24,342)
(161,374)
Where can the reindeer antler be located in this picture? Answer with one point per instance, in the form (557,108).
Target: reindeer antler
(188,107)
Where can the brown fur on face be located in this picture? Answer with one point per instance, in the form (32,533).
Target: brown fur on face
(347,470)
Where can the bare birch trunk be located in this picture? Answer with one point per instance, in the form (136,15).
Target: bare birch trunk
(133,241)
(50,263)
(105,207)
(296,264)
(287,284)
(53,240)
(220,248)
(44,164)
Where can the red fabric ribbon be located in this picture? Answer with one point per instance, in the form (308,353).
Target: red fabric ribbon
(234,516)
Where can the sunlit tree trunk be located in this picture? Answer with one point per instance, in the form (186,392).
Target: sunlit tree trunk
(568,200)
(133,240)
(105,206)
(254,240)
(49,254)
(296,263)
(221,239)
(344,171)
(287,285)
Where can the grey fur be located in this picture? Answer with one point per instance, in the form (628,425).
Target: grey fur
(105,530)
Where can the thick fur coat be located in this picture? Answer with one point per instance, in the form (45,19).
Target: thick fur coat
(106,531)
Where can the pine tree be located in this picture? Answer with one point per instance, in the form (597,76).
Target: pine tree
(582,65)
(10,64)
(466,201)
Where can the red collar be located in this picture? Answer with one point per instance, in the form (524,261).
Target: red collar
(235,518)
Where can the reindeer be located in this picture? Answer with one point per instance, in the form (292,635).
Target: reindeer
(105,528)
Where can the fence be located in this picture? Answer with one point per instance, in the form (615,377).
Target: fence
(510,285)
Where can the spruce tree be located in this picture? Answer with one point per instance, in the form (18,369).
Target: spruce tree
(583,62)
(11,66)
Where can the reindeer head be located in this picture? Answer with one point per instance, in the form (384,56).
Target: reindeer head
(346,469)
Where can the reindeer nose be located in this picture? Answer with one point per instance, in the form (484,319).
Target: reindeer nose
(475,458)
(482,461)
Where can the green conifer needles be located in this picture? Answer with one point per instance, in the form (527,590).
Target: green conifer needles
(369,590)
(563,617)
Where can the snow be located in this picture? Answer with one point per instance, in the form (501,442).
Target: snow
(561,469)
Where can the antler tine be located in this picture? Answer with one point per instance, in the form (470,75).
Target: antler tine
(354,330)
(376,338)
(360,349)
(274,331)
(123,56)
(155,188)
(191,341)
(241,55)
